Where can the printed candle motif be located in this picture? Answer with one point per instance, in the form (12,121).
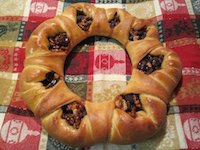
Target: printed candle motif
(171,5)
(99,70)
(172,9)
(15,131)
(40,7)
(192,129)
(106,61)
(42,10)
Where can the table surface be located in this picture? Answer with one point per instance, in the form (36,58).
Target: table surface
(178,23)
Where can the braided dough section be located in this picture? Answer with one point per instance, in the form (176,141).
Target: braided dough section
(104,122)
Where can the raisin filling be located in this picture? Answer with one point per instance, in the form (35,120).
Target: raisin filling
(73,113)
(150,63)
(59,42)
(137,34)
(114,21)
(51,79)
(83,20)
(129,103)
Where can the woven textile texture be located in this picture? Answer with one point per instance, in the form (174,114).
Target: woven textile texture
(98,69)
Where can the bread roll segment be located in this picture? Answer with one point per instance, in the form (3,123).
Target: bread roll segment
(134,115)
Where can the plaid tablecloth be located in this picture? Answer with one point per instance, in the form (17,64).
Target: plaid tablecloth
(98,69)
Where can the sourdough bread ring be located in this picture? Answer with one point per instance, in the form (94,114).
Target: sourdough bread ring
(136,114)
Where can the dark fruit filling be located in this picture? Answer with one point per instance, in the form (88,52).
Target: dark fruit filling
(137,34)
(51,79)
(59,42)
(114,21)
(73,113)
(129,103)
(150,63)
(83,20)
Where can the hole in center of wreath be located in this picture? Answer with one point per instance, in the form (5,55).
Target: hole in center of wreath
(97,69)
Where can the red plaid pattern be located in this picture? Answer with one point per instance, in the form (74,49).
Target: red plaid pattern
(98,69)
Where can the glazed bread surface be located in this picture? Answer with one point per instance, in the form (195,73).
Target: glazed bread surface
(134,115)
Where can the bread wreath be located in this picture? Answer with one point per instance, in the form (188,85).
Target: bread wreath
(136,114)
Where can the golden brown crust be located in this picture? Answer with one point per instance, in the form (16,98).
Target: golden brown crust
(103,122)
(59,129)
